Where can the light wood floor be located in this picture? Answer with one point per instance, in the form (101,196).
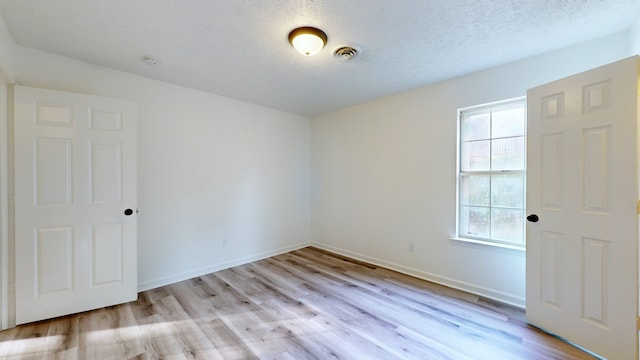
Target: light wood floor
(306,304)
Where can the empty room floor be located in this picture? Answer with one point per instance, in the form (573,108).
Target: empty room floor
(305,304)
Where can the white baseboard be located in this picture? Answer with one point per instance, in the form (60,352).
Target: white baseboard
(152,284)
(500,296)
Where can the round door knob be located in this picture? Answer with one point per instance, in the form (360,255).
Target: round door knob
(128,212)
(533,218)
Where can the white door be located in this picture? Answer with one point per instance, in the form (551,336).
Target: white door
(75,177)
(582,183)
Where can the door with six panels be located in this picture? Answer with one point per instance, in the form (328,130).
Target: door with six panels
(582,184)
(75,201)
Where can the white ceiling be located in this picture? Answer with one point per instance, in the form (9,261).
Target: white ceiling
(239,48)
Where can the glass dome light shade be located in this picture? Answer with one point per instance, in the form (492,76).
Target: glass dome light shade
(307,40)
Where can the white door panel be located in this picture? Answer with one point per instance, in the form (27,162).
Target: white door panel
(75,175)
(582,182)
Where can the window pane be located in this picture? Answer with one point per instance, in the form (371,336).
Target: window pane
(507,225)
(475,190)
(475,126)
(507,191)
(475,221)
(507,154)
(475,156)
(492,172)
(507,121)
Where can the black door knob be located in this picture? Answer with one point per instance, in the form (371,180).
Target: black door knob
(533,218)
(128,212)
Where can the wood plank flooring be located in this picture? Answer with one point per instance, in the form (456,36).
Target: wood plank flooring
(306,304)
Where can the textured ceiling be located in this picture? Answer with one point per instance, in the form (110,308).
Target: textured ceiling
(239,48)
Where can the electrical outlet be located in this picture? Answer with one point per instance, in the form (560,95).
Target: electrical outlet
(412,247)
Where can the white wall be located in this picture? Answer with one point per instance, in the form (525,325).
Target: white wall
(7,46)
(384,173)
(209,168)
(634,36)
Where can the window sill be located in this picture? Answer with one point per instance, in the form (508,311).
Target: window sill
(489,243)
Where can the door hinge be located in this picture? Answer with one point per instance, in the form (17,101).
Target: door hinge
(637,323)
(638,207)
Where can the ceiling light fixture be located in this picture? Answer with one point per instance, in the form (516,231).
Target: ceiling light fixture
(307,40)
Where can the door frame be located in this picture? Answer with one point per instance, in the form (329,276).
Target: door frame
(6,278)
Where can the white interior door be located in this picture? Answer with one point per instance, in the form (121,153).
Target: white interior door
(75,175)
(582,183)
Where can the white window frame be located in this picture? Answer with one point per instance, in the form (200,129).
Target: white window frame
(459,174)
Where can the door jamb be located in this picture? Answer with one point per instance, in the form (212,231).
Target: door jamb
(6,278)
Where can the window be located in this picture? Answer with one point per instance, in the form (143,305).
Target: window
(491,173)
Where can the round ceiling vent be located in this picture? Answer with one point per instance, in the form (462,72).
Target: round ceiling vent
(345,53)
